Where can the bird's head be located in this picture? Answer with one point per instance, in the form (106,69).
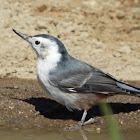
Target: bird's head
(45,45)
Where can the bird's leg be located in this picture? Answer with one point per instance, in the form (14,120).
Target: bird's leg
(83,118)
(81,123)
(90,121)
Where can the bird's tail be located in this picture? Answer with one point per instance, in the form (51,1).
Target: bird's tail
(129,88)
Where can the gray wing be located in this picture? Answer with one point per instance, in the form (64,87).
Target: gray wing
(85,79)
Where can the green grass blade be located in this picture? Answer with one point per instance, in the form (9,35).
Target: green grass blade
(113,128)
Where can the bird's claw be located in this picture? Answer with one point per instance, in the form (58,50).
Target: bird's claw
(91,121)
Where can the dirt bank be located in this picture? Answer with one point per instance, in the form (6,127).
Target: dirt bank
(21,99)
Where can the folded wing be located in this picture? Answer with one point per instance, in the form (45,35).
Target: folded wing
(89,80)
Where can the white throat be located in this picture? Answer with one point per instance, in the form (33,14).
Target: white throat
(44,67)
(48,63)
(48,56)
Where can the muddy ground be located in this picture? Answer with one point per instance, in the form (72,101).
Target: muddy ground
(105,34)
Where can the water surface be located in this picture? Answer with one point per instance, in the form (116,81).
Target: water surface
(60,134)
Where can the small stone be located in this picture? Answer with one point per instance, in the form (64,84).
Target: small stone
(124,59)
(30,71)
(14,71)
(11,107)
(120,15)
(20,112)
(98,130)
(136,13)
(90,4)
(16,87)
(117,54)
(125,49)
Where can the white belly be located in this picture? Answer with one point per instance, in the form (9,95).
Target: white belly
(67,99)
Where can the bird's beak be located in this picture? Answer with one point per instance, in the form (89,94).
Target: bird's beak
(22,35)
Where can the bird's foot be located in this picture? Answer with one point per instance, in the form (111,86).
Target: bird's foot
(81,123)
(90,121)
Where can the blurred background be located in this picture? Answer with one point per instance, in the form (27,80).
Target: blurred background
(103,33)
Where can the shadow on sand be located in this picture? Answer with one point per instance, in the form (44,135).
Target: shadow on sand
(53,110)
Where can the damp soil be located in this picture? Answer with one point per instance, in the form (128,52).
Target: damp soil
(23,104)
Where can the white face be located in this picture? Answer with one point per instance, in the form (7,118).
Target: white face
(43,47)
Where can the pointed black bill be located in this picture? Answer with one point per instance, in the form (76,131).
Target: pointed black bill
(21,35)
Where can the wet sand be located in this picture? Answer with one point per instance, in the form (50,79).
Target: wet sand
(21,99)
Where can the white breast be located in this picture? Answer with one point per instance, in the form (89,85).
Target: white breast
(43,69)
(45,65)
(56,94)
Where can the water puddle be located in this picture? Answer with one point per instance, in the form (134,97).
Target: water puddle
(59,134)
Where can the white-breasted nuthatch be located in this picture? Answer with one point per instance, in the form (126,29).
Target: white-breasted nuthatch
(69,81)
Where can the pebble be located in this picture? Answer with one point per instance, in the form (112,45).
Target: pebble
(16,87)
(90,4)
(121,122)
(11,107)
(14,71)
(117,54)
(30,71)
(98,130)
(136,13)
(120,15)
(125,49)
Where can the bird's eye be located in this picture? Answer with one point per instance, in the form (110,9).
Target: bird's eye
(37,42)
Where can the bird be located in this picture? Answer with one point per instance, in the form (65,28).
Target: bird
(71,82)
